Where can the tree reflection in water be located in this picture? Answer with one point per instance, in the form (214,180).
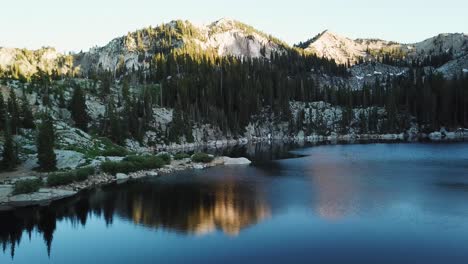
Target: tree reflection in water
(191,208)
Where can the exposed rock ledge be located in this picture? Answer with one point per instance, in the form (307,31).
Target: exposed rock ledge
(45,196)
(42,197)
(236,161)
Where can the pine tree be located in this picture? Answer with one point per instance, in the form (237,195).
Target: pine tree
(125,91)
(106,80)
(3,112)
(114,126)
(125,116)
(78,109)
(10,157)
(13,110)
(176,129)
(28,118)
(47,159)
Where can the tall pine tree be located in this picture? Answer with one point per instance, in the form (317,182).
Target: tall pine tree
(3,112)
(27,115)
(78,109)
(47,159)
(13,110)
(10,156)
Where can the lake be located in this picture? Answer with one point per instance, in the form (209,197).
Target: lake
(363,203)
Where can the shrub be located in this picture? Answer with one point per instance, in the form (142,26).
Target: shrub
(60,178)
(202,157)
(181,156)
(132,164)
(115,151)
(146,162)
(27,186)
(82,174)
(166,157)
(113,167)
(64,178)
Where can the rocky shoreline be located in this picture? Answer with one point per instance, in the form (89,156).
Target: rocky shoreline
(44,196)
(410,135)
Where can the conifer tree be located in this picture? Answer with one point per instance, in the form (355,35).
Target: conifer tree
(47,159)
(3,112)
(114,125)
(13,110)
(106,80)
(176,129)
(28,118)
(125,115)
(125,91)
(78,109)
(10,157)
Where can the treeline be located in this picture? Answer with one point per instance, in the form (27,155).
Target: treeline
(434,101)
(397,57)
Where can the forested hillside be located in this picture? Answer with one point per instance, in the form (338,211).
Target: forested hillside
(180,83)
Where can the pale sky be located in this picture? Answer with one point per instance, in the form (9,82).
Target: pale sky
(74,25)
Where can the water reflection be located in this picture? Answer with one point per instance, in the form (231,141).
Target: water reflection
(334,194)
(189,206)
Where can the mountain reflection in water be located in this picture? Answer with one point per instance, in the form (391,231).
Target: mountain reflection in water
(190,204)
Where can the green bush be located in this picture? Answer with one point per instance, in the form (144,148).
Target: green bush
(133,164)
(64,178)
(27,186)
(115,151)
(146,161)
(60,178)
(166,157)
(113,167)
(82,174)
(181,156)
(202,157)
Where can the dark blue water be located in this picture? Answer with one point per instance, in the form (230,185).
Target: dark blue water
(376,203)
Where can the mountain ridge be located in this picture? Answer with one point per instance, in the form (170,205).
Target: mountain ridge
(346,50)
(229,37)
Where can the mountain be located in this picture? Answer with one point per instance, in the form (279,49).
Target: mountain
(228,37)
(225,37)
(22,63)
(345,50)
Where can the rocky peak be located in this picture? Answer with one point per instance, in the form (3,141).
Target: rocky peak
(334,46)
(455,43)
(225,22)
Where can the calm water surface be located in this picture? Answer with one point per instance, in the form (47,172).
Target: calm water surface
(375,203)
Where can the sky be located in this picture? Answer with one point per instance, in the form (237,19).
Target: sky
(75,25)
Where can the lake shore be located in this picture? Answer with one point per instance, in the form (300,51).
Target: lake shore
(44,196)
(410,136)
